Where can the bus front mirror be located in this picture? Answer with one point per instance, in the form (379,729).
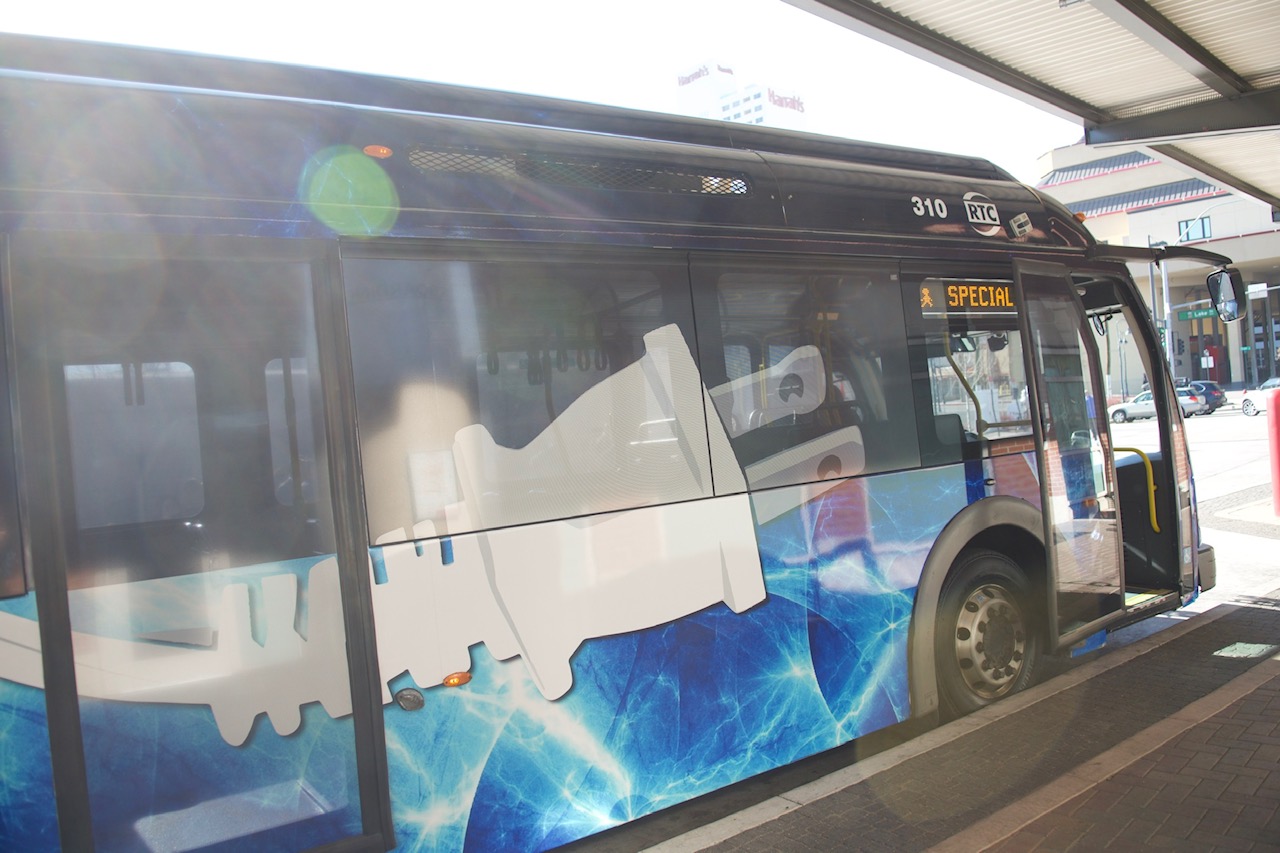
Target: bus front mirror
(1227,291)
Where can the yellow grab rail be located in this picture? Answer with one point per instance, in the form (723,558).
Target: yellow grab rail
(1151,483)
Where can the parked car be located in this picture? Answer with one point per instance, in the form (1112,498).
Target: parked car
(1258,402)
(1211,393)
(1144,406)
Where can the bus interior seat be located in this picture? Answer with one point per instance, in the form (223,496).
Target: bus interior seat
(944,442)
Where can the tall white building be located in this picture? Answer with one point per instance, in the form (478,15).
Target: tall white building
(717,91)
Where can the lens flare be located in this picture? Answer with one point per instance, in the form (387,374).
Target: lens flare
(349,192)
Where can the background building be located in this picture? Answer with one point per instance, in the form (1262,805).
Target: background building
(1130,198)
(716,91)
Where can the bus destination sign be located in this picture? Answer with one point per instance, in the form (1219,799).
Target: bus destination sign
(938,297)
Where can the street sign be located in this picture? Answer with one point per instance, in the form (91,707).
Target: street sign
(1197,313)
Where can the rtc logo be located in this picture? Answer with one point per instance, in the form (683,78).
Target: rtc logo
(982,214)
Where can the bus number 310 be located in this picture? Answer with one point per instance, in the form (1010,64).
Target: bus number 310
(934,207)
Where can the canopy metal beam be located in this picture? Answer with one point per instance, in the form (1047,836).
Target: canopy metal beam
(1146,23)
(1258,111)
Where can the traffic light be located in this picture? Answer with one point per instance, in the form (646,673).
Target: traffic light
(1182,346)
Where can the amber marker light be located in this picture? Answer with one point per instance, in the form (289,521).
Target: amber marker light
(457,679)
(381,152)
(1080,217)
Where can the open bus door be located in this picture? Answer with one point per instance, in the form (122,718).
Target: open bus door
(1077,473)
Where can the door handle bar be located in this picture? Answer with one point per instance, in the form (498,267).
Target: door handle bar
(1151,483)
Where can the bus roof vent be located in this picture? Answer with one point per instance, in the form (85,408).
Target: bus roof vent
(565,171)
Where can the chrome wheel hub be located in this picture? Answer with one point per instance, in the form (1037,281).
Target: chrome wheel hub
(990,641)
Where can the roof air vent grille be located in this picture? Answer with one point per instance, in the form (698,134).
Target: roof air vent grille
(565,171)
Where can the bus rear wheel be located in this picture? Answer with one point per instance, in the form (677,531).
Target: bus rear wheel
(986,645)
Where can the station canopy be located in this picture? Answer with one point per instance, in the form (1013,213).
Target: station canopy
(1197,82)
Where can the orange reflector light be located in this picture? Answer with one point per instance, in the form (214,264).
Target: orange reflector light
(457,679)
(381,152)
(1080,217)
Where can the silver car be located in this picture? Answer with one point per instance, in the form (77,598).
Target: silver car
(1144,406)
(1258,403)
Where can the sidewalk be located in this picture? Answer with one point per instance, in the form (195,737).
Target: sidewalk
(1170,743)
(1250,511)
(1213,785)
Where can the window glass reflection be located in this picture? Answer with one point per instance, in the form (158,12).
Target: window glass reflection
(807,370)
(492,393)
(135,442)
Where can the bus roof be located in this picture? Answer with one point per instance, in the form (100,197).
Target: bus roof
(235,140)
(194,71)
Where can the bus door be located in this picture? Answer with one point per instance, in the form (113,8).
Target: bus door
(1148,439)
(190,604)
(1077,473)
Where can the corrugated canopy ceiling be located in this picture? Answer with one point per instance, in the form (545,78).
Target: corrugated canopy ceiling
(1197,81)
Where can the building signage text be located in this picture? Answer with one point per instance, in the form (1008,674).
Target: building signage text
(787,102)
(686,79)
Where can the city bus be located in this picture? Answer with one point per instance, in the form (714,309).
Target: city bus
(390,465)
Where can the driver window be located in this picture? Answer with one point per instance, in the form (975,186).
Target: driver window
(969,362)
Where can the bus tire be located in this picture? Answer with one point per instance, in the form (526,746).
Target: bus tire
(986,644)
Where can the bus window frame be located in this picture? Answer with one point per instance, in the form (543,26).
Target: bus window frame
(15,572)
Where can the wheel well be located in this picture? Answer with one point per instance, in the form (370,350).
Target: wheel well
(1007,525)
(1028,552)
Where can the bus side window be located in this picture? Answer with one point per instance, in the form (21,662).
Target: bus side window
(169,417)
(500,391)
(135,442)
(813,379)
